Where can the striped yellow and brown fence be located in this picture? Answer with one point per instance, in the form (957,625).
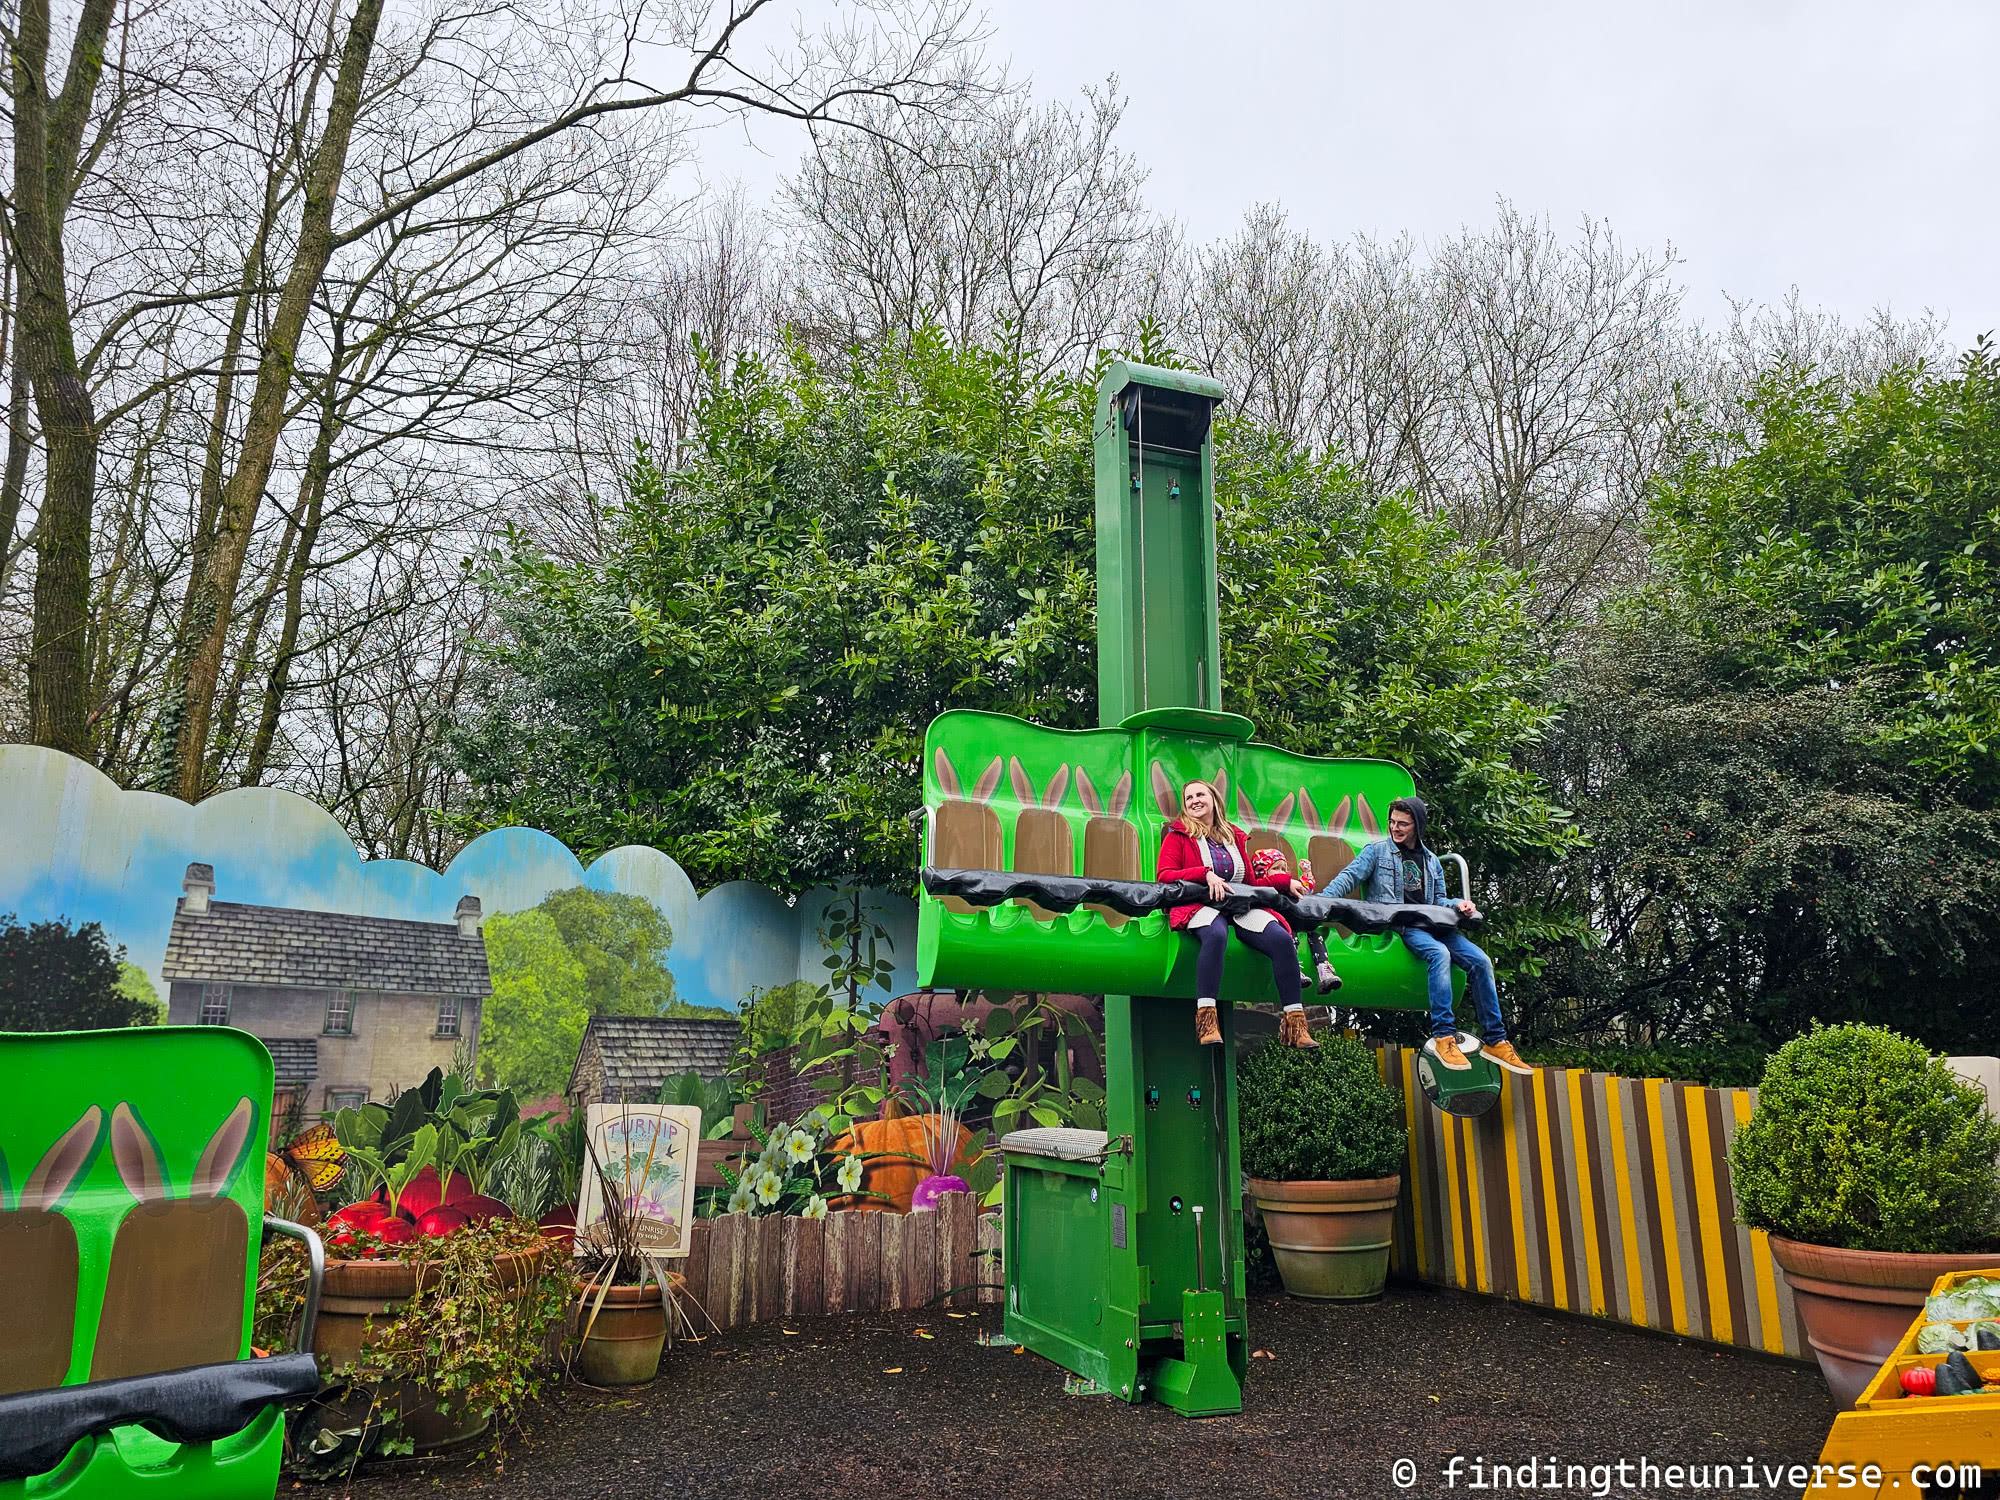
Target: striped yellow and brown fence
(749,1270)
(1594,1194)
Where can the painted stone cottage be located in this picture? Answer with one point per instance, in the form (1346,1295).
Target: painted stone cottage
(627,1058)
(351,1007)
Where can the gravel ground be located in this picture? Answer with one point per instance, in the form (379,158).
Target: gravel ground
(810,1408)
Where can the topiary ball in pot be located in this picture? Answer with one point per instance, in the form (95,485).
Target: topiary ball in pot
(1863,1140)
(1322,1139)
(1317,1115)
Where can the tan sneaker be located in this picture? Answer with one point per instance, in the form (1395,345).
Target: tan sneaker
(1207,1026)
(1293,1031)
(1448,1055)
(1504,1054)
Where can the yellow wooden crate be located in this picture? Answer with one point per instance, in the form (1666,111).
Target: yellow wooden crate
(1911,1438)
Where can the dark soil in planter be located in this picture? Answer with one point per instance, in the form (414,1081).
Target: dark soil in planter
(1349,1388)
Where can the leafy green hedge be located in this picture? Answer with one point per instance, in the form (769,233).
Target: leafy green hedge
(1864,1140)
(1317,1115)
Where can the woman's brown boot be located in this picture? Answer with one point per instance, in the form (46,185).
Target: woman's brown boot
(1207,1026)
(1292,1030)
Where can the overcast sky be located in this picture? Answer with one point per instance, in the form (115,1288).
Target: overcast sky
(1847,147)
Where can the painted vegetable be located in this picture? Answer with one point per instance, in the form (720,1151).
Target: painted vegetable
(1986,1336)
(1956,1377)
(480,1209)
(894,1159)
(1920,1380)
(925,1199)
(393,1231)
(441,1221)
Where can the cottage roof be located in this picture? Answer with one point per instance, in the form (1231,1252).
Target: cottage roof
(295,1058)
(642,1052)
(231,943)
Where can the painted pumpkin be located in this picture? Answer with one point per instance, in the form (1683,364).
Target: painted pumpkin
(894,1161)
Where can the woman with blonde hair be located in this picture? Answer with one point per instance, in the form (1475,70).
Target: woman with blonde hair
(1201,844)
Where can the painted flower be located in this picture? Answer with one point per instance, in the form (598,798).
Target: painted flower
(799,1147)
(739,1198)
(815,1208)
(849,1175)
(769,1185)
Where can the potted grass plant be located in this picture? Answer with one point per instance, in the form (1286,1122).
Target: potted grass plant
(1322,1140)
(1873,1167)
(623,1287)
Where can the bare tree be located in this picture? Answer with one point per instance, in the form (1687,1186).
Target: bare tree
(1019,226)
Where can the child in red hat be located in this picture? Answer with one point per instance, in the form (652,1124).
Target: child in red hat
(1265,862)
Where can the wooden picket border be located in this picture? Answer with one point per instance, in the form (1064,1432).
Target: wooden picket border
(743,1269)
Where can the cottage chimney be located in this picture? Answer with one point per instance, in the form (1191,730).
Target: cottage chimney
(196,888)
(468,916)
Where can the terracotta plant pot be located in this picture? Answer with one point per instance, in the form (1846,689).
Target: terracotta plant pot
(621,1345)
(1330,1239)
(1856,1304)
(358,1291)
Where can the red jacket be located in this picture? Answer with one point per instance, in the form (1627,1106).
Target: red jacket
(1180,859)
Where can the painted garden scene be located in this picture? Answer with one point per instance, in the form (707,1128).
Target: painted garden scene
(820,748)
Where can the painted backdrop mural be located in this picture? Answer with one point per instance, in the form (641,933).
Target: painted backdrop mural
(260,891)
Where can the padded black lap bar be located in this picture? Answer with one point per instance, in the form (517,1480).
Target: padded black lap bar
(1135,898)
(196,1405)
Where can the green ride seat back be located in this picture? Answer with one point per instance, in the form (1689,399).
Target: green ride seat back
(1001,793)
(131,1206)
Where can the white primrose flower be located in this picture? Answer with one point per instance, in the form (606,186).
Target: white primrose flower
(799,1147)
(769,1185)
(815,1208)
(739,1198)
(849,1175)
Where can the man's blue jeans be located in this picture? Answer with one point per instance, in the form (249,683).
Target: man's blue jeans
(1438,957)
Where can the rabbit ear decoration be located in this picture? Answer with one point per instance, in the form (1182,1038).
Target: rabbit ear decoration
(1282,813)
(1340,814)
(1087,794)
(224,1153)
(1309,812)
(1163,792)
(1221,785)
(988,780)
(1121,794)
(1058,783)
(1024,789)
(62,1166)
(946,776)
(1368,818)
(1244,808)
(137,1155)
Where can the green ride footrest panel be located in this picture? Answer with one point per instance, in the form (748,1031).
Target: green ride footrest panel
(1001,794)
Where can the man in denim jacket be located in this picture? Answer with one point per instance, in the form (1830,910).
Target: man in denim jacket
(1401,870)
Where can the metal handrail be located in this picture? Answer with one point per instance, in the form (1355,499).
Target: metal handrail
(316,1262)
(1464,873)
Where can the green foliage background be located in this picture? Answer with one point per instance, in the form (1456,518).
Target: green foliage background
(580,953)
(55,977)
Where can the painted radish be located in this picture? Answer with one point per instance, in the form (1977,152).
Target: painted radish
(1043,843)
(965,831)
(174,1293)
(1263,832)
(442,1221)
(38,1249)
(1110,839)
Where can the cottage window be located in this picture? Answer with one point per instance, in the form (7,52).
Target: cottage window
(215,1005)
(448,1016)
(346,1098)
(340,1013)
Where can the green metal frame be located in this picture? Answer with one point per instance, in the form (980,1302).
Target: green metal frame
(166,1094)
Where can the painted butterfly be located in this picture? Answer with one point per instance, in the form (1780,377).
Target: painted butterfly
(317,1156)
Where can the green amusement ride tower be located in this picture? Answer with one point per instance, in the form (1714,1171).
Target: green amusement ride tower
(1123,1248)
